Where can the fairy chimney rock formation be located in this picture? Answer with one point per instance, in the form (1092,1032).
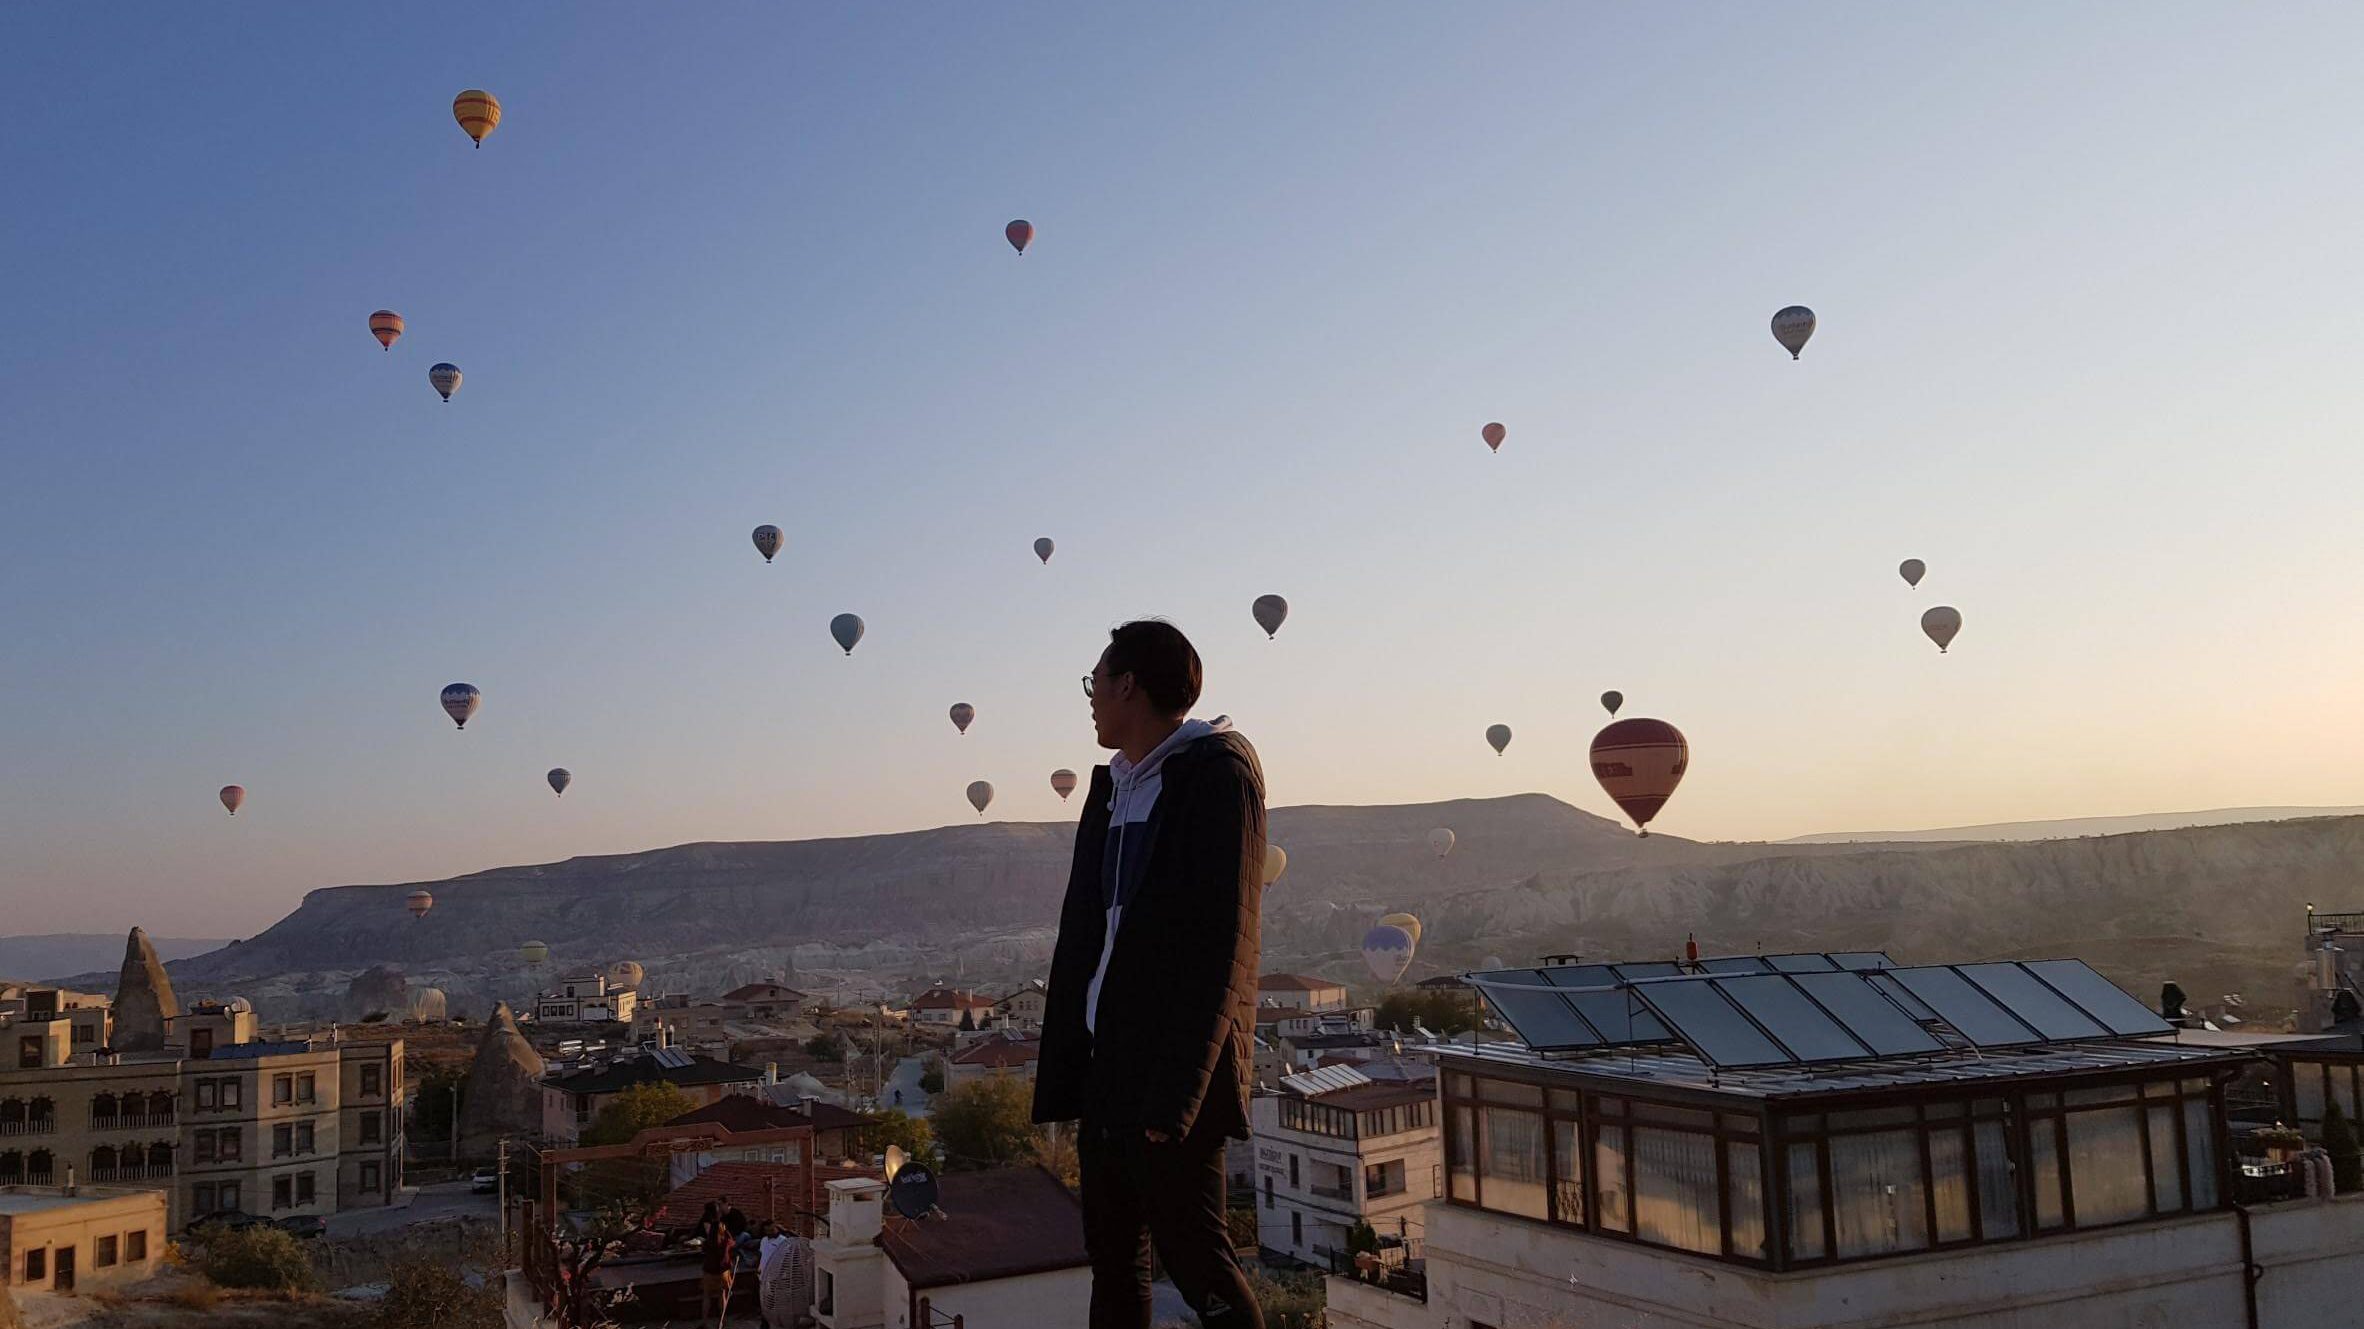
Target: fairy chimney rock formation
(504,1095)
(144,1004)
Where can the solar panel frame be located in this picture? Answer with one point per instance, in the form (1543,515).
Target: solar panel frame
(1876,1021)
(1792,1018)
(1646,969)
(1966,1007)
(2117,1009)
(1859,961)
(2034,1002)
(1805,962)
(1718,1031)
(1616,1016)
(1887,986)
(1735,964)
(1530,1012)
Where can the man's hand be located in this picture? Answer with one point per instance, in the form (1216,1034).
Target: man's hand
(1157,1137)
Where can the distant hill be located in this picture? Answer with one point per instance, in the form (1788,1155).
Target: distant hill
(2071,827)
(44,958)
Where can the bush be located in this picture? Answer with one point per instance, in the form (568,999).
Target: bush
(986,1123)
(826,1047)
(196,1297)
(897,1127)
(1242,1222)
(256,1257)
(931,1080)
(2339,1141)
(635,1110)
(431,1294)
(1290,1301)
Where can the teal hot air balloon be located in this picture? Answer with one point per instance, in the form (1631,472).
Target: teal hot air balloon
(847,629)
(445,378)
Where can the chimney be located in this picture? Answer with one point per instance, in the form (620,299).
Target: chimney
(771,1072)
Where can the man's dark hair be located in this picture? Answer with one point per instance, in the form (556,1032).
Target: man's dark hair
(1160,659)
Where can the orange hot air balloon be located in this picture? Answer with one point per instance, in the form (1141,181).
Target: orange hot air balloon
(478,111)
(1639,762)
(233,797)
(1494,434)
(1021,234)
(386,326)
(419,902)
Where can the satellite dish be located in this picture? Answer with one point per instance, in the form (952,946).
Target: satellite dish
(913,1191)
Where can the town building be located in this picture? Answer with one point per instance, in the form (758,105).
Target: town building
(79,1238)
(1003,1251)
(993,1055)
(586,999)
(1334,1149)
(219,1119)
(1293,1022)
(767,1002)
(573,1093)
(1023,1008)
(942,1008)
(1305,1052)
(836,1130)
(1299,992)
(1843,1142)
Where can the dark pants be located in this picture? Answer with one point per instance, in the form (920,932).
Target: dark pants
(1136,1192)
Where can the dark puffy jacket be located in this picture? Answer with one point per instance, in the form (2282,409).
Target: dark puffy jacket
(1177,1017)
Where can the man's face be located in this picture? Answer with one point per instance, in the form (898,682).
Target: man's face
(1109,697)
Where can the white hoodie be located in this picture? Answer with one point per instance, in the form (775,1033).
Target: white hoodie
(1131,800)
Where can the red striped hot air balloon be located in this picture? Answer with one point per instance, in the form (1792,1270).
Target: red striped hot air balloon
(478,111)
(1062,783)
(386,326)
(1639,762)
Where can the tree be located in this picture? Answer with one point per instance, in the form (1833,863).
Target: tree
(430,1116)
(1055,1153)
(1361,1237)
(986,1123)
(1289,1301)
(635,1110)
(826,1047)
(434,1294)
(897,1127)
(968,1021)
(2339,1141)
(931,1080)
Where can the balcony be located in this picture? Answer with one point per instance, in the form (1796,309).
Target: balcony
(28,1178)
(150,1172)
(136,1121)
(1343,1190)
(30,1126)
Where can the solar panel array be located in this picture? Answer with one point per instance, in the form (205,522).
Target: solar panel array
(1807,1009)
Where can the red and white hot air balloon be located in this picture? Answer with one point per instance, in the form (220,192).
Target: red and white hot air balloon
(1021,234)
(233,797)
(1639,762)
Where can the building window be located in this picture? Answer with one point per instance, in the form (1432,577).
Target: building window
(282,1090)
(205,1095)
(205,1146)
(370,1078)
(305,1194)
(282,1192)
(304,1137)
(28,1052)
(372,1130)
(102,1252)
(201,1199)
(36,1265)
(231,1094)
(307,1090)
(135,1246)
(282,1140)
(1268,1191)
(231,1148)
(1877,1194)
(230,1195)
(1293,1183)
(369,1179)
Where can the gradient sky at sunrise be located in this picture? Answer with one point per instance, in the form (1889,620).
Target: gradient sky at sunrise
(2088,279)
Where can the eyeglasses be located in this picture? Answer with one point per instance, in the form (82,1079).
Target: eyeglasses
(1087,685)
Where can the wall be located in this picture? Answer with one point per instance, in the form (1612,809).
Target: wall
(79,1226)
(2186,1273)
(1063,1297)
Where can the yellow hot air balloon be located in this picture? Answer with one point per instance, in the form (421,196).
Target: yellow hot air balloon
(1406,922)
(1276,862)
(478,111)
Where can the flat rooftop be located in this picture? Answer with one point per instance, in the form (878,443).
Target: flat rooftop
(16,1200)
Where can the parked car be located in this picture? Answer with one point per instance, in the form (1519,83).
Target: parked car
(306,1226)
(485,1182)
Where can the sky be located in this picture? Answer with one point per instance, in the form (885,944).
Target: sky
(2087,282)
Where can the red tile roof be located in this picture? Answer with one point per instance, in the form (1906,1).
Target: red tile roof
(949,999)
(1294,983)
(743,1112)
(1003,1053)
(761,992)
(760,1190)
(1001,1223)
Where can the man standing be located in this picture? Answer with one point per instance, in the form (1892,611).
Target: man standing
(1149,1023)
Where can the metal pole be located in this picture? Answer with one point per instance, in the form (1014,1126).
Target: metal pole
(455,1123)
(504,1200)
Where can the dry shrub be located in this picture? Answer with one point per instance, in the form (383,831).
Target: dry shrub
(197,1296)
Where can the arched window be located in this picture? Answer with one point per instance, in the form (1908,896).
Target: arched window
(102,1159)
(12,1111)
(160,1155)
(160,1104)
(132,1156)
(38,1167)
(102,1108)
(12,1166)
(42,1109)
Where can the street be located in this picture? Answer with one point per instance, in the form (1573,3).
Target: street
(905,1078)
(428,1204)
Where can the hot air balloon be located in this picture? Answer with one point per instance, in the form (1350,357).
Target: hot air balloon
(626,974)
(962,713)
(1494,434)
(460,701)
(1043,548)
(1062,783)
(1276,862)
(1912,570)
(559,779)
(1388,950)
(419,902)
(533,953)
(386,326)
(445,378)
(1498,735)
(1791,327)
(478,111)
(1610,701)
(1021,234)
(980,795)
(1941,624)
(1271,611)
(1639,762)
(1407,922)
(847,629)
(1440,842)
(767,541)
(233,797)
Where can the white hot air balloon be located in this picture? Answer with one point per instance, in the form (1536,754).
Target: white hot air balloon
(1498,737)
(1062,783)
(847,629)
(1941,623)
(1271,611)
(1387,949)
(559,778)
(1276,862)
(1791,327)
(461,701)
(768,540)
(1440,842)
(962,714)
(1043,548)
(980,796)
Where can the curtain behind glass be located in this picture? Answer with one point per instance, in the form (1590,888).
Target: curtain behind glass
(1675,1189)
(2166,1159)
(1512,1157)
(1998,1188)
(2199,1138)
(2106,1179)
(1462,1163)
(1567,1163)
(1805,1202)
(1608,1176)
(2043,1160)
(1949,1181)
(1877,1194)
(1746,1202)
